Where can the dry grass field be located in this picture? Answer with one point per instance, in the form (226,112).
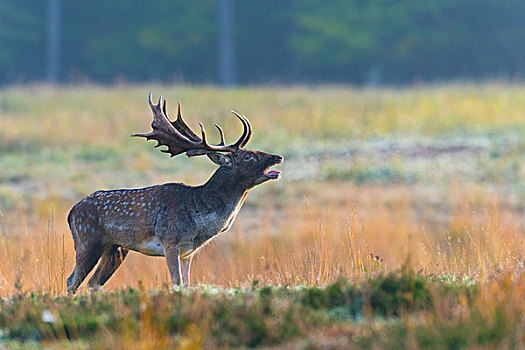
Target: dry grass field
(429,177)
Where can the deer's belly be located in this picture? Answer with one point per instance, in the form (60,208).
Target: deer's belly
(151,247)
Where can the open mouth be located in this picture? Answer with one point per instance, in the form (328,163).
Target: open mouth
(273,174)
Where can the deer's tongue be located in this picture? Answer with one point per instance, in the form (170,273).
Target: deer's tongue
(272,173)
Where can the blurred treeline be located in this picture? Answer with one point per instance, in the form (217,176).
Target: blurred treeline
(357,41)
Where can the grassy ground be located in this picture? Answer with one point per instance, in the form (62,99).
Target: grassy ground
(429,177)
(399,310)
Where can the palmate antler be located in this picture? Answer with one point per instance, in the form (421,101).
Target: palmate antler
(179,138)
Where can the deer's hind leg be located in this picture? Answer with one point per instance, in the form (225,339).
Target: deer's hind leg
(111,259)
(88,246)
(86,259)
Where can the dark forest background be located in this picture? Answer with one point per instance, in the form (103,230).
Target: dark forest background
(273,41)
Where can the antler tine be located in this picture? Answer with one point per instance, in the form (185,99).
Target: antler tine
(179,113)
(223,143)
(206,148)
(241,139)
(184,129)
(150,100)
(249,132)
(165,107)
(203,132)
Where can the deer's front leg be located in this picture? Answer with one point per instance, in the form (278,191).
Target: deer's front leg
(172,254)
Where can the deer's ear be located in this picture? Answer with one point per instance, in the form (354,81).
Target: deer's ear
(221,159)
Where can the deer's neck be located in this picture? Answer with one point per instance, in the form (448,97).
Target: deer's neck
(223,191)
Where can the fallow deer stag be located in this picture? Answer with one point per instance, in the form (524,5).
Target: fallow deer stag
(171,220)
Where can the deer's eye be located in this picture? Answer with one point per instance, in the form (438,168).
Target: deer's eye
(249,158)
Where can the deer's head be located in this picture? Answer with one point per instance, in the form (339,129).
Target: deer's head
(250,167)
